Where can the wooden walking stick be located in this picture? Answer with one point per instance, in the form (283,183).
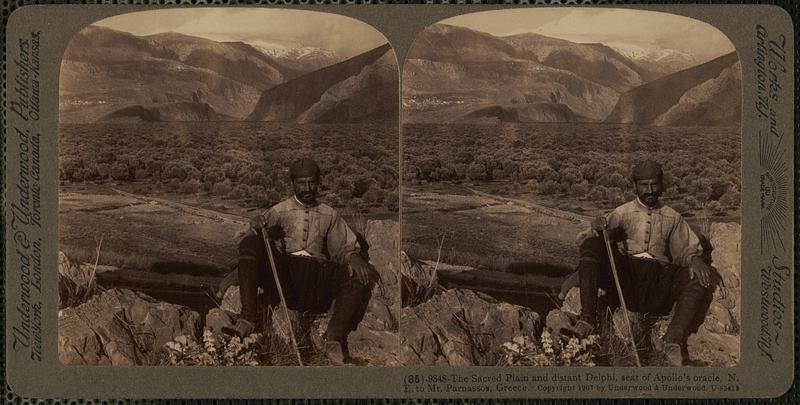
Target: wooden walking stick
(621,297)
(280,293)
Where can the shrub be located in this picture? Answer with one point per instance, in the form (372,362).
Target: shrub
(222,188)
(730,199)
(240,191)
(392,201)
(175,171)
(476,171)
(103,170)
(374,196)
(357,205)
(274,196)
(192,173)
(119,171)
(550,351)
(190,186)
(214,351)
(214,176)
(548,187)
(714,207)
(579,189)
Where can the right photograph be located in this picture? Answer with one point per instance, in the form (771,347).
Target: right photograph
(570,194)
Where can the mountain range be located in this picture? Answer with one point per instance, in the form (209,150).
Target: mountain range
(110,75)
(456,74)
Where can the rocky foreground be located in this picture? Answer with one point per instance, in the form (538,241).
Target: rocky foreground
(123,327)
(461,327)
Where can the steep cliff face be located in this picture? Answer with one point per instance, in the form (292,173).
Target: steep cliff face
(715,102)
(371,95)
(288,101)
(705,95)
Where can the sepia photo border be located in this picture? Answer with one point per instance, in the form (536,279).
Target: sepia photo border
(767,261)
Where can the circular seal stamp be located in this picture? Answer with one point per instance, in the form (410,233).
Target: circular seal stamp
(767,190)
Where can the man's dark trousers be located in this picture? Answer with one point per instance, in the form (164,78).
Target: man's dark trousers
(649,287)
(309,285)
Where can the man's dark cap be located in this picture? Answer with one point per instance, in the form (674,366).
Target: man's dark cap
(647,169)
(304,167)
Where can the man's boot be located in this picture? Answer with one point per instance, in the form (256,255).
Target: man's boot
(248,289)
(685,351)
(673,354)
(337,352)
(587,271)
(690,307)
(592,253)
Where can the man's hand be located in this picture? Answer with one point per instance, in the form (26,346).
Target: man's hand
(599,224)
(362,270)
(257,223)
(703,272)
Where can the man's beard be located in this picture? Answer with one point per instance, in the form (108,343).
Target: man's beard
(307,198)
(650,199)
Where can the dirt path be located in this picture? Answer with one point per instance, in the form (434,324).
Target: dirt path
(189,209)
(538,208)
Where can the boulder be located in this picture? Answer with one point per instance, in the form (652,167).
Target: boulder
(572,302)
(231,301)
(719,318)
(560,321)
(725,312)
(218,319)
(121,327)
(384,250)
(461,328)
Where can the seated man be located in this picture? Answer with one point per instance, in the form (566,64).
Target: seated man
(660,263)
(317,259)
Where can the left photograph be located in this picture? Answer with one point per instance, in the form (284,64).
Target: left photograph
(228,191)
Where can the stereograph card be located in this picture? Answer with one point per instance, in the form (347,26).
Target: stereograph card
(399,201)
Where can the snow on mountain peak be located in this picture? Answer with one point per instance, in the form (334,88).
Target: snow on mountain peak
(294,51)
(654,54)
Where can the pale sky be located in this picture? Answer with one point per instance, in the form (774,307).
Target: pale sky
(607,26)
(343,35)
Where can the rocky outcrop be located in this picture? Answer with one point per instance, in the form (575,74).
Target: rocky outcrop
(715,102)
(287,101)
(704,95)
(371,95)
(725,312)
(121,328)
(461,328)
(376,339)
